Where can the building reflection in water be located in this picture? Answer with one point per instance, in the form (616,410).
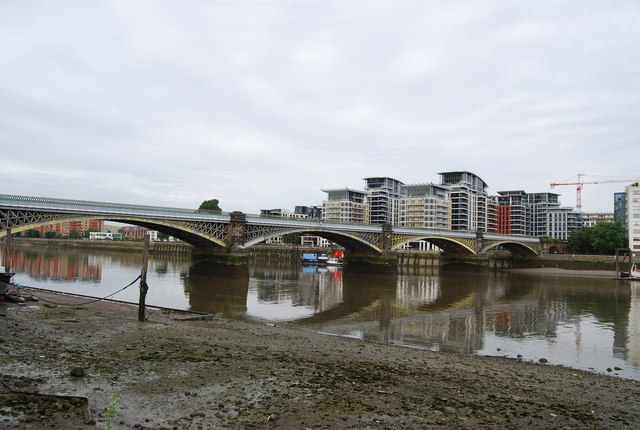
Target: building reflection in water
(59,265)
(632,344)
(577,321)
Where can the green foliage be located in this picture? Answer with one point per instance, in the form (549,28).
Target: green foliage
(49,234)
(32,233)
(112,408)
(607,236)
(210,205)
(74,234)
(163,236)
(580,241)
(550,240)
(291,238)
(603,238)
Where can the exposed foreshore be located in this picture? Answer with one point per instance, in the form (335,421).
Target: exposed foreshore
(176,371)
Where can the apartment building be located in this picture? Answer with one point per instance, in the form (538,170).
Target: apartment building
(562,221)
(134,232)
(471,207)
(620,208)
(511,208)
(66,227)
(535,214)
(313,212)
(424,205)
(282,213)
(382,196)
(590,219)
(345,205)
(632,193)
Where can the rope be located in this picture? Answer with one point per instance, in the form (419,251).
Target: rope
(85,303)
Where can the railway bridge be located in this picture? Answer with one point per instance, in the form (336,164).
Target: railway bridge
(211,231)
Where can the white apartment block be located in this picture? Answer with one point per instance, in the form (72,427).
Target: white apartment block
(345,205)
(425,205)
(545,217)
(560,222)
(382,196)
(633,216)
(282,213)
(471,207)
(590,219)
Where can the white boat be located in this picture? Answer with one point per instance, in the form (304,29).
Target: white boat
(633,274)
(334,261)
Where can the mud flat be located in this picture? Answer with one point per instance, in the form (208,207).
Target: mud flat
(177,373)
(555,271)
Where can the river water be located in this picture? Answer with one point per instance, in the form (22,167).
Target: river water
(587,322)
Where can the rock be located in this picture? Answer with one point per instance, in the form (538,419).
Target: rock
(543,360)
(76,371)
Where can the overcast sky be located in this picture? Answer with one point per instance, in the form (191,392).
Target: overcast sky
(261,104)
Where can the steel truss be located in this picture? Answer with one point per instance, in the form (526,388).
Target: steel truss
(12,219)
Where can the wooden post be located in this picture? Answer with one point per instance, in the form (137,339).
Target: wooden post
(143,279)
(8,251)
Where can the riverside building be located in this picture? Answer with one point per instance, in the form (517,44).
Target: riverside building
(382,196)
(632,197)
(511,212)
(345,205)
(425,205)
(590,219)
(535,214)
(471,207)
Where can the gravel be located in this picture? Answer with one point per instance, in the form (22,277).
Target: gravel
(63,365)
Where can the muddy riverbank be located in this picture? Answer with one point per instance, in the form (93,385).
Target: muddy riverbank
(176,372)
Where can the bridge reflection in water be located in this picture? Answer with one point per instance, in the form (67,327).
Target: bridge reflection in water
(580,322)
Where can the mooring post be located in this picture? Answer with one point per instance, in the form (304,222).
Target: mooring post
(8,251)
(143,279)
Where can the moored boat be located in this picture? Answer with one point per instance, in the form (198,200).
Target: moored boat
(315,259)
(336,259)
(10,291)
(634,274)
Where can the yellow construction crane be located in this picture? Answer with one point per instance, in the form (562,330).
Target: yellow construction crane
(580,183)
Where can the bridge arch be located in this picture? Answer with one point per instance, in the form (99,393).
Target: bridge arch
(449,246)
(349,241)
(515,248)
(181,230)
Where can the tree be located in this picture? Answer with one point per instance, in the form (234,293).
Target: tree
(49,234)
(210,205)
(580,241)
(32,233)
(291,238)
(607,236)
(163,236)
(73,234)
(603,238)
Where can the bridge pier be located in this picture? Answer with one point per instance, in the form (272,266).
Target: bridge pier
(237,230)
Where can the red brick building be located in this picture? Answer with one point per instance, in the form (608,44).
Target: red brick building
(64,228)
